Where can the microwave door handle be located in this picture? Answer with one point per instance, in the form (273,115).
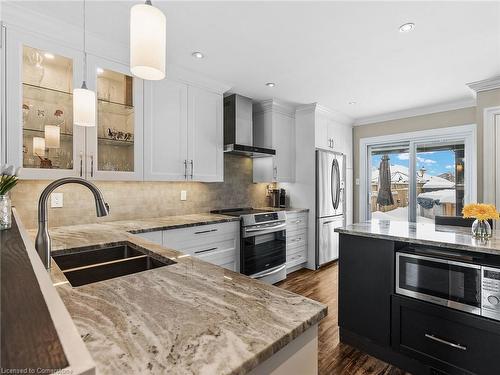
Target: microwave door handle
(265,228)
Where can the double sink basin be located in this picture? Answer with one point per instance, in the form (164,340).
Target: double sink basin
(83,267)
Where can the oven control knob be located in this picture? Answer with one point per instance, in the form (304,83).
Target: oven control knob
(493,300)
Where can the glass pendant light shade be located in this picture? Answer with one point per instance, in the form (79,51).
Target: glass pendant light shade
(84,99)
(84,107)
(52,136)
(147,42)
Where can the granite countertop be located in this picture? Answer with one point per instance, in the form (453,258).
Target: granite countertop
(191,317)
(459,238)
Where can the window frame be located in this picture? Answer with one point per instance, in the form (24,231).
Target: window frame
(463,133)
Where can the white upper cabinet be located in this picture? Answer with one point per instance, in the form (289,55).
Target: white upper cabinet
(183,134)
(205,135)
(115,144)
(333,132)
(274,127)
(40,77)
(165,131)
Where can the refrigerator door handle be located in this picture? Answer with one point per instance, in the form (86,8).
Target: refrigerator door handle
(337,203)
(332,178)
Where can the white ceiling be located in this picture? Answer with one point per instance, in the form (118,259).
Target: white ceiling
(326,52)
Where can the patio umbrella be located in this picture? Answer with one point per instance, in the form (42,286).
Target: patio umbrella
(384,197)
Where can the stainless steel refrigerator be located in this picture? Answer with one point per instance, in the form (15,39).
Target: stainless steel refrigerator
(330,204)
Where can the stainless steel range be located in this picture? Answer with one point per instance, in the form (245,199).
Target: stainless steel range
(263,243)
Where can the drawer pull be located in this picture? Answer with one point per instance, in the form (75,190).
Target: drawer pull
(453,345)
(296,239)
(298,222)
(206,250)
(206,231)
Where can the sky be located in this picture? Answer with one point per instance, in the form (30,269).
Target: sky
(435,162)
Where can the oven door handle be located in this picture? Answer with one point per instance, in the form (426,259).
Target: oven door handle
(269,272)
(265,228)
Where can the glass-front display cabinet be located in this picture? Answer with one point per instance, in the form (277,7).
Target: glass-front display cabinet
(40,78)
(115,145)
(41,137)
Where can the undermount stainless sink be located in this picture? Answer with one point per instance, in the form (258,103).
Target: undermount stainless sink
(89,266)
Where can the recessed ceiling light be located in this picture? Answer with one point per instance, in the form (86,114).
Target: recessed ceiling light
(99,71)
(49,55)
(198,55)
(407,27)
(270,84)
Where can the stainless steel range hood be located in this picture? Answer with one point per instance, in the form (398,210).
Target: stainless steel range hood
(238,128)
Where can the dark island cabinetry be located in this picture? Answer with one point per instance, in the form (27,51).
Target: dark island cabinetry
(366,282)
(418,336)
(449,340)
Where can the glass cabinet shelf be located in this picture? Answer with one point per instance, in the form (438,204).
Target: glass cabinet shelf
(40,133)
(114,142)
(115,107)
(43,88)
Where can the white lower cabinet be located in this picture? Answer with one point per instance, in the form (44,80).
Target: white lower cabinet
(218,244)
(296,240)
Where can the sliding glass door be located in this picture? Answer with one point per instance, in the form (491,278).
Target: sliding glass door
(416,180)
(440,183)
(389,188)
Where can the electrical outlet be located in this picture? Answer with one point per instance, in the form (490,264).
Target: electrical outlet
(56,200)
(183,195)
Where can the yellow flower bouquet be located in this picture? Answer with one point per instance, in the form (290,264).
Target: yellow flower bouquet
(482,212)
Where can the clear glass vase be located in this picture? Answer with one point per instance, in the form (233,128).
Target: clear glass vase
(481,229)
(5,212)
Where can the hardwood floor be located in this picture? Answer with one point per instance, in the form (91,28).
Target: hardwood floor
(333,357)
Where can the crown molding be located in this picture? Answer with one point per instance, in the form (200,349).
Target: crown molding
(273,105)
(332,114)
(485,84)
(419,111)
(178,73)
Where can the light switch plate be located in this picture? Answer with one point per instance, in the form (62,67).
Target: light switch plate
(183,195)
(56,200)
(357,181)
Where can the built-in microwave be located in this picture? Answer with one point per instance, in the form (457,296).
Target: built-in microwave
(459,285)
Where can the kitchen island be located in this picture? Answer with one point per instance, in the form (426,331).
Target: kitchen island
(190,317)
(413,294)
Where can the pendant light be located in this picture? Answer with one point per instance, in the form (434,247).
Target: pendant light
(148,39)
(83,98)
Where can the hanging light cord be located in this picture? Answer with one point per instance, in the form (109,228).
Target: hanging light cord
(84,84)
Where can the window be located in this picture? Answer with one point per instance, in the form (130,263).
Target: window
(428,174)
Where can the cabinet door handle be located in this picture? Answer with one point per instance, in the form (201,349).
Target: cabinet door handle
(185,169)
(453,345)
(81,164)
(298,221)
(192,168)
(206,231)
(206,250)
(91,165)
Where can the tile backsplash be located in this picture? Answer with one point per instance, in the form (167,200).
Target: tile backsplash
(130,199)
